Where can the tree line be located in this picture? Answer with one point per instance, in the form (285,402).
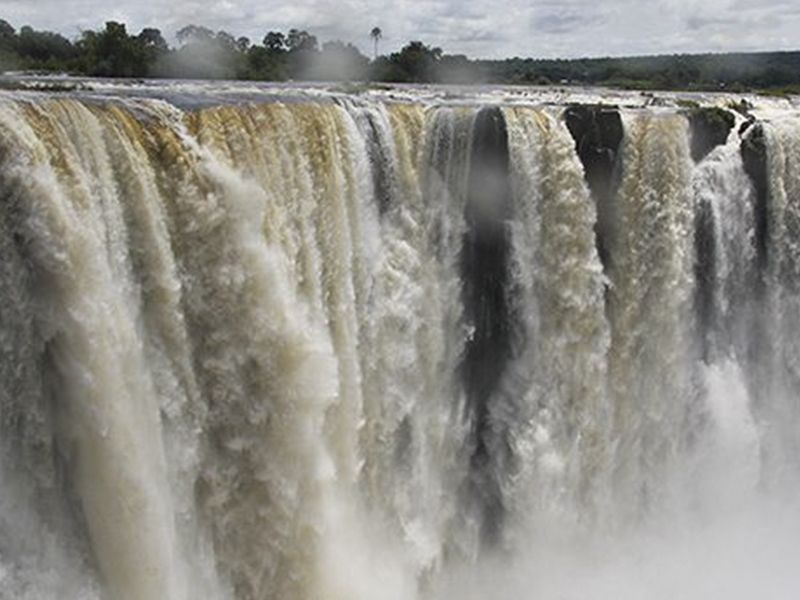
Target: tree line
(298,55)
(203,53)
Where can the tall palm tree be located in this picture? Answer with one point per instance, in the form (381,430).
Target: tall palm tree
(376,34)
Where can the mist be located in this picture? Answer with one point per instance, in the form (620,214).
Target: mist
(736,555)
(199,60)
(728,531)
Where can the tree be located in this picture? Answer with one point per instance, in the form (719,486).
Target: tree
(43,46)
(152,38)
(194,33)
(152,47)
(303,53)
(301,41)
(376,34)
(242,44)
(9,59)
(8,34)
(113,53)
(415,62)
(226,40)
(264,64)
(275,42)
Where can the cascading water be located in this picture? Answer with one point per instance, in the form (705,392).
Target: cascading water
(337,347)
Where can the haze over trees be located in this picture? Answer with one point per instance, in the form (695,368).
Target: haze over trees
(298,55)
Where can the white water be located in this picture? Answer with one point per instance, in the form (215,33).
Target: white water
(232,344)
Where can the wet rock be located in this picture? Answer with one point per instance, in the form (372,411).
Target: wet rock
(705,270)
(488,308)
(746,124)
(754,157)
(710,128)
(598,133)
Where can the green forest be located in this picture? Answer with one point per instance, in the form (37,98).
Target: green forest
(298,55)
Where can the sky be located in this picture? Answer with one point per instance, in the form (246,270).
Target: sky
(478,28)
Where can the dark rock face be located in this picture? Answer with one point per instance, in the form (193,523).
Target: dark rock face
(598,133)
(710,128)
(746,125)
(754,157)
(487,302)
(705,271)
(380,164)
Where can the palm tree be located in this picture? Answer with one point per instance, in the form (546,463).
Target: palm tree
(376,34)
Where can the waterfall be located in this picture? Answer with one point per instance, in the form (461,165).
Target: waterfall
(365,347)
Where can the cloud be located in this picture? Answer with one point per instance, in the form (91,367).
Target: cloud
(760,5)
(696,23)
(566,22)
